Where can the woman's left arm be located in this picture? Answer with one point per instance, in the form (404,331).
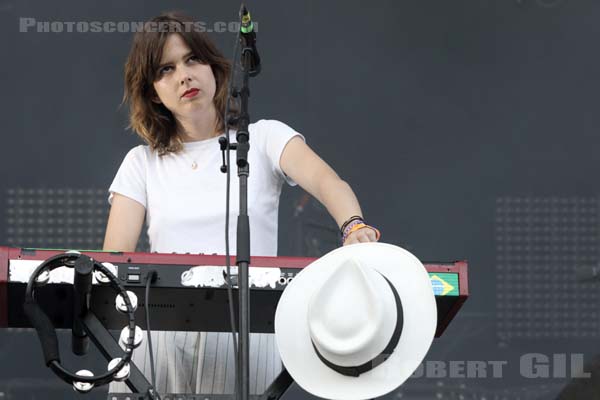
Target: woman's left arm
(313,174)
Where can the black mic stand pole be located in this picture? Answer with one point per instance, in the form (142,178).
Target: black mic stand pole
(243,223)
(250,62)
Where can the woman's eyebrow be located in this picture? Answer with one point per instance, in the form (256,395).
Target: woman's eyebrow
(186,55)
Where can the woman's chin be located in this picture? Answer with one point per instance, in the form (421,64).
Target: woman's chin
(194,105)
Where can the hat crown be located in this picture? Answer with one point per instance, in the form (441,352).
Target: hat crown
(347,312)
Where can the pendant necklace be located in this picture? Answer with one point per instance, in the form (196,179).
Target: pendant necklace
(193,164)
(188,159)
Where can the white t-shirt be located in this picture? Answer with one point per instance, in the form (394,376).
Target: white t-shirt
(185,212)
(185,207)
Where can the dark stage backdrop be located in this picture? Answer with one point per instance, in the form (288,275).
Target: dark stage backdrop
(468,130)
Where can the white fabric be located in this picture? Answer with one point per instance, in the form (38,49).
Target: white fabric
(185,212)
(185,207)
(410,279)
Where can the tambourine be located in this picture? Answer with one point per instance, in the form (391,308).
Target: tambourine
(47,332)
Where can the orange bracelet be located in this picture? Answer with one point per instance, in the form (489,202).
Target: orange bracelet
(377,233)
(363,225)
(356,227)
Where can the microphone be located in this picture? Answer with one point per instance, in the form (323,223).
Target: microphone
(248,40)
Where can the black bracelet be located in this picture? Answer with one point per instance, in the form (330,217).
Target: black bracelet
(349,220)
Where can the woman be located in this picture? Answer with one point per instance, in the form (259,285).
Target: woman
(176,86)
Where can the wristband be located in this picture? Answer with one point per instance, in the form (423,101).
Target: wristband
(348,221)
(353,227)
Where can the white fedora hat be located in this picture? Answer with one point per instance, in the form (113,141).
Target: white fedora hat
(357,322)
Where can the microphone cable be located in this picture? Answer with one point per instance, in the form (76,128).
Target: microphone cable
(150,277)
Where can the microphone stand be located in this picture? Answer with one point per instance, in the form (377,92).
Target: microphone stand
(86,327)
(248,61)
(243,233)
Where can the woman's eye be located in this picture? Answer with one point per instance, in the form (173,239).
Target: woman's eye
(163,70)
(194,58)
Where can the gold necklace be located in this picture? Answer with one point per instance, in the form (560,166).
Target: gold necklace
(188,159)
(194,164)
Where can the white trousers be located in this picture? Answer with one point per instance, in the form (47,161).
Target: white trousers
(203,363)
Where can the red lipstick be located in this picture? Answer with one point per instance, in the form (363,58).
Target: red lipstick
(190,93)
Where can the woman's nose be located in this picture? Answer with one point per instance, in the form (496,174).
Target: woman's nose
(184,75)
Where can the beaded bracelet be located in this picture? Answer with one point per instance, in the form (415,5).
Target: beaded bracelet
(353,227)
(348,221)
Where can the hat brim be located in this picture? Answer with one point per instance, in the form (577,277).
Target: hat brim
(411,280)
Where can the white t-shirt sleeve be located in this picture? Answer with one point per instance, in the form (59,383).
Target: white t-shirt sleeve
(130,180)
(276,136)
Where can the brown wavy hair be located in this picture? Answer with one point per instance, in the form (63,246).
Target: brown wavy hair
(153,122)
